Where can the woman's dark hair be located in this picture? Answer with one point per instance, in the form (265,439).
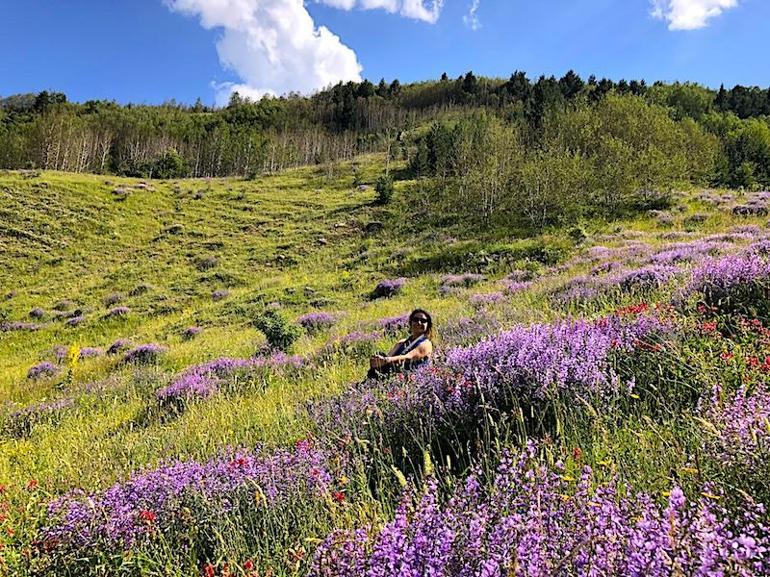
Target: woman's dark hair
(429,330)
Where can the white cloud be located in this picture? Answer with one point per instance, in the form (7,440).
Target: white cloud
(471,19)
(689,14)
(273,46)
(425,10)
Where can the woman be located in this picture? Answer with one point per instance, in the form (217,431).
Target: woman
(409,353)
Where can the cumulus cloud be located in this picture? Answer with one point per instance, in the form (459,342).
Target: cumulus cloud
(471,19)
(689,14)
(425,10)
(273,46)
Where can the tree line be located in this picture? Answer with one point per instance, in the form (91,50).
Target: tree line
(247,138)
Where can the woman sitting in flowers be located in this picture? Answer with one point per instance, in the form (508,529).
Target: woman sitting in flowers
(407,354)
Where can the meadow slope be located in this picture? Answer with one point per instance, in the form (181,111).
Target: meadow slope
(624,363)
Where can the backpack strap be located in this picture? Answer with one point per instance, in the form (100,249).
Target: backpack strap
(413,345)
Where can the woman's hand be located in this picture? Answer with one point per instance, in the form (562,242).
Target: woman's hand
(378,361)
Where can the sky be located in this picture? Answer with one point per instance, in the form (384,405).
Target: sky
(153,51)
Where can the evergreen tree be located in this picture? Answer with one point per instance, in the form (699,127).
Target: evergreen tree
(570,84)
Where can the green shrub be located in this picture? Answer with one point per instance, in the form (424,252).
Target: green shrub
(279,332)
(384,189)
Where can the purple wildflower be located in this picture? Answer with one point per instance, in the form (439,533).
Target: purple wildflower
(388,288)
(75,321)
(481,300)
(461,280)
(21,422)
(41,370)
(513,287)
(393,326)
(112,521)
(112,300)
(9,327)
(144,354)
(37,313)
(118,346)
(90,352)
(532,519)
(191,332)
(118,312)
(220,294)
(317,321)
(729,281)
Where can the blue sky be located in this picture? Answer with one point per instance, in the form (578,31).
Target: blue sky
(150,51)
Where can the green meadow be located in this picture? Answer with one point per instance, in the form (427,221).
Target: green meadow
(216,254)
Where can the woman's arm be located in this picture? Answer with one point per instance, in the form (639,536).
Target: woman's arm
(425,349)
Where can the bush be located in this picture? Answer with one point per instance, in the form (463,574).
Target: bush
(279,333)
(384,189)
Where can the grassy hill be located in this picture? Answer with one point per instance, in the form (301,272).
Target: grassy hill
(89,260)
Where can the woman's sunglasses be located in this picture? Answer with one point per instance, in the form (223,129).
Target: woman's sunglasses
(421,320)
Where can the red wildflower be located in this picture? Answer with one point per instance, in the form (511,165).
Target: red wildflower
(338,496)
(753,362)
(208,570)
(147,516)
(31,484)
(709,327)
(726,356)
(633,309)
(577,453)
(248,565)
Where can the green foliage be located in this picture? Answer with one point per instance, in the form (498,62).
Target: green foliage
(384,189)
(280,333)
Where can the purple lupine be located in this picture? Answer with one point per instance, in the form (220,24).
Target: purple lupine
(113,299)
(564,359)
(191,332)
(41,370)
(202,381)
(642,279)
(113,520)
(59,353)
(520,275)
(718,281)
(13,326)
(467,331)
(485,299)
(37,313)
(118,312)
(535,521)
(144,354)
(388,288)
(220,294)
(512,287)
(688,252)
(90,352)
(119,346)
(317,321)
(739,423)
(572,355)
(21,422)
(393,326)
(74,321)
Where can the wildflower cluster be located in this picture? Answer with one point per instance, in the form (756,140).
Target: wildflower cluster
(542,523)
(178,495)
(317,321)
(388,288)
(202,381)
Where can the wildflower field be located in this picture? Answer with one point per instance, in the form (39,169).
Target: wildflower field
(181,379)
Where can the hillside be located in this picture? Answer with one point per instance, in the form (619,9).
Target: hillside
(623,344)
